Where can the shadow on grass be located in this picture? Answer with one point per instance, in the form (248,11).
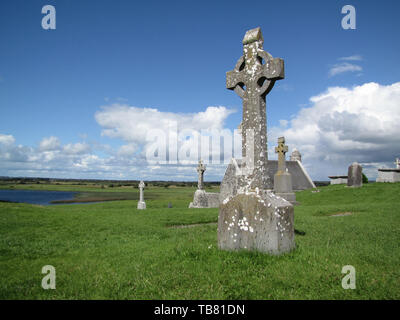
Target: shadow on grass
(299,232)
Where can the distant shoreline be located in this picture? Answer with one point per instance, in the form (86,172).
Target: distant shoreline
(77,200)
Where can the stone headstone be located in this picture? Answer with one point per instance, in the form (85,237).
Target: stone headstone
(354,175)
(169,205)
(141,204)
(282,178)
(252,217)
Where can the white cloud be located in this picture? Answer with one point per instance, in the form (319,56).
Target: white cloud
(129,124)
(77,148)
(345,125)
(355,57)
(6,139)
(344,67)
(132,124)
(140,127)
(340,126)
(128,150)
(49,144)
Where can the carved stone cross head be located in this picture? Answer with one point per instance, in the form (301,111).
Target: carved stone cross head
(256,71)
(141,185)
(201,167)
(281,150)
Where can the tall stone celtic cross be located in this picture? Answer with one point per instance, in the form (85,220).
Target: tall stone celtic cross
(200,170)
(252,79)
(281,150)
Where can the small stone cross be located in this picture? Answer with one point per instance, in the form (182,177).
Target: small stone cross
(200,169)
(141,187)
(281,150)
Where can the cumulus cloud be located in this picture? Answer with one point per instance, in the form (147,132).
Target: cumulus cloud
(49,144)
(121,122)
(132,124)
(6,139)
(141,128)
(338,126)
(76,148)
(344,125)
(49,159)
(128,150)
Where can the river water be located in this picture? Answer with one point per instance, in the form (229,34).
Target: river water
(35,196)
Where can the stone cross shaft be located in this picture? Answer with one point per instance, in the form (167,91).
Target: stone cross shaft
(281,150)
(252,79)
(141,187)
(200,170)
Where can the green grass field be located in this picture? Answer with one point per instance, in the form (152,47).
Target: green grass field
(111,250)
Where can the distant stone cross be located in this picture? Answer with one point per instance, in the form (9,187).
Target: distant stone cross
(252,79)
(200,170)
(141,187)
(397,163)
(281,150)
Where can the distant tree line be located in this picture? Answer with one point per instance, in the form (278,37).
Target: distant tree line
(103,183)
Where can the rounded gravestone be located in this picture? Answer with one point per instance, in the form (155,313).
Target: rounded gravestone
(354,175)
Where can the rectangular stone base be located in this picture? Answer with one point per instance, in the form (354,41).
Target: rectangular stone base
(204,199)
(141,205)
(256,221)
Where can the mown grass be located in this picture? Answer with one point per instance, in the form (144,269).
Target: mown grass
(111,250)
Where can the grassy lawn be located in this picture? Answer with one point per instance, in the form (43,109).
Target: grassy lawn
(111,250)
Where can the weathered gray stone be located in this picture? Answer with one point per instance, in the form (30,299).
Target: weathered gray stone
(200,170)
(229,184)
(201,198)
(338,179)
(141,204)
(251,217)
(252,79)
(300,178)
(296,155)
(354,175)
(397,163)
(282,178)
(256,221)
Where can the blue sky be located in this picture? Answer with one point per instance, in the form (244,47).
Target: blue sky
(172,56)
